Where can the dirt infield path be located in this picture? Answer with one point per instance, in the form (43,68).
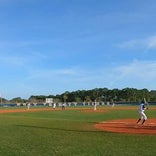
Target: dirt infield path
(128,126)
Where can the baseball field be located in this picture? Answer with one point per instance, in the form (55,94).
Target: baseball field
(77,132)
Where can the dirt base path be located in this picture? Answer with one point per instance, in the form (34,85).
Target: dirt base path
(128,126)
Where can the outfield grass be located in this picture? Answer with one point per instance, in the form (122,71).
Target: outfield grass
(70,133)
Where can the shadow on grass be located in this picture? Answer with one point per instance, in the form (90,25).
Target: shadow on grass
(61,129)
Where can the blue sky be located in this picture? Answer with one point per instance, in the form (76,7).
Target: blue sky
(48,47)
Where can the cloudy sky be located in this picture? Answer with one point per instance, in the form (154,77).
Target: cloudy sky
(52,46)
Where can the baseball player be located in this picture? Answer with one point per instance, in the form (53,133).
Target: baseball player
(54,106)
(28,106)
(141,110)
(95,104)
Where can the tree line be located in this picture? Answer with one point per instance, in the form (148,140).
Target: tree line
(97,94)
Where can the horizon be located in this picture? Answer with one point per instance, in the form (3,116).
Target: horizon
(53,46)
(74,91)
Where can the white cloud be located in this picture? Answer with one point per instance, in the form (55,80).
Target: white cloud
(138,74)
(140,69)
(57,74)
(148,43)
(151,42)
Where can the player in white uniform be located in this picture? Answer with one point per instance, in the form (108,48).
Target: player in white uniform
(141,112)
(28,106)
(54,106)
(95,104)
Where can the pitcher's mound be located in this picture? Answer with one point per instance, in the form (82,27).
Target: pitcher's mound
(128,126)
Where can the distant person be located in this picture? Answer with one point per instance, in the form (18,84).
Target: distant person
(63,106)
(54,106)
(95,104)
(28,106)
(141,110)
(113,104)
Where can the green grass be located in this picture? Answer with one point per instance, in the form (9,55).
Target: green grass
(70,133)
